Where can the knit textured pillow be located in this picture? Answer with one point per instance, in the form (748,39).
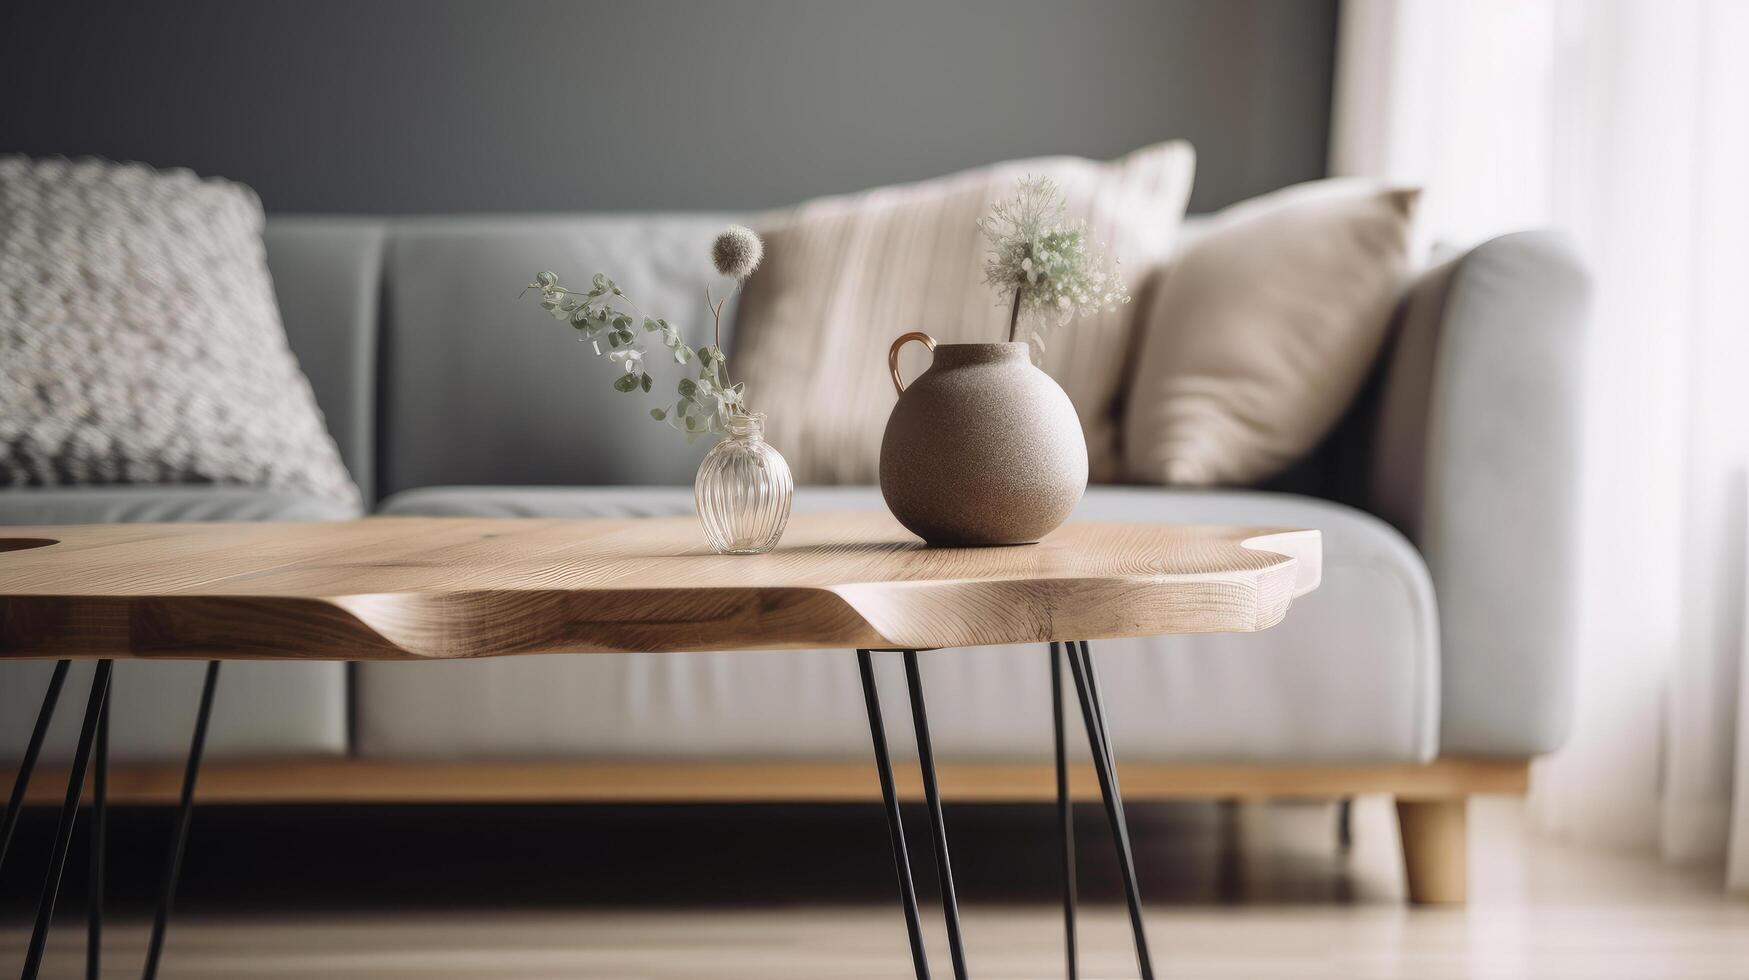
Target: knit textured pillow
(843,276)
(139,338)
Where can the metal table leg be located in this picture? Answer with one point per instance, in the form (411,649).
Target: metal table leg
(950,908)
(94,744)
(932,795)
(1065,819)
(1099,742)
(99,831)
(179,842)
(895,827)
(45,906)
(44,715)
(1092,702)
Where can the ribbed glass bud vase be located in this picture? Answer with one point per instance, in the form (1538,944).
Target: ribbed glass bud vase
(743,490)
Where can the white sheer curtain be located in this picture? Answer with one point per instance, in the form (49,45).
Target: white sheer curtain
(1625,123)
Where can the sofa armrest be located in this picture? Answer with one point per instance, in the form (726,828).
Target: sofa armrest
(1477,461)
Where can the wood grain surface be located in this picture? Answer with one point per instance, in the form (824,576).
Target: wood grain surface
(354,780)
(410,588)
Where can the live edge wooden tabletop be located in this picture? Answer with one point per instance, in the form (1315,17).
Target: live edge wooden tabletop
(414,588)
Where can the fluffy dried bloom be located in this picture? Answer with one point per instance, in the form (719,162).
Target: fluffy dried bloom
(1043,266)
(737,252)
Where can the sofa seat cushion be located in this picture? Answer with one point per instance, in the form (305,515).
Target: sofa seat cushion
(129,504)
(261,710)
(1351,676)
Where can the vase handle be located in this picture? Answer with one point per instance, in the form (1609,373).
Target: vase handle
(893,355)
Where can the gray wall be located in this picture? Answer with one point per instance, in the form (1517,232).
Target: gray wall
(449,105)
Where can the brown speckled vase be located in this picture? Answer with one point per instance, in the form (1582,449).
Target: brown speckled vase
(982,449)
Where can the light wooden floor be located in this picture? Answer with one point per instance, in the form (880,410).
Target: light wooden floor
(1271,901)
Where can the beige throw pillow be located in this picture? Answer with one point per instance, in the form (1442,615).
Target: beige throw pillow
(1263,331)
(843,276)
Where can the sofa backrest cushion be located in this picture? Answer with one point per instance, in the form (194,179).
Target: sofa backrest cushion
(845,275)
(327,277)
(483,387)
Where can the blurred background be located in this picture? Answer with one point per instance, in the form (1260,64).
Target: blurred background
(407,108)
(1565,500)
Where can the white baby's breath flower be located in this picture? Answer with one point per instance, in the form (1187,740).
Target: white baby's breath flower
(1042,264)
(737,251)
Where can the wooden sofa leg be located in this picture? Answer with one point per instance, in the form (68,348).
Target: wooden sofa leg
(1435,849)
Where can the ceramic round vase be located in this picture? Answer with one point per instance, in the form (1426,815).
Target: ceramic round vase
(983,448)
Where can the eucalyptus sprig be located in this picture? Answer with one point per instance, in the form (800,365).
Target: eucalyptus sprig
(705,399)
(1042,265)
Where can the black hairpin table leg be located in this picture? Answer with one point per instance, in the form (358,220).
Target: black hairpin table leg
(93,754)
(895,825)
(1099,743)
(185,809)
(932,796)
(45,906)
(21,782)
(950,907)
(1065,818)
(99,830)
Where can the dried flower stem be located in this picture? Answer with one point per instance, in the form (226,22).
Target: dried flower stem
(716,308)
(704,403)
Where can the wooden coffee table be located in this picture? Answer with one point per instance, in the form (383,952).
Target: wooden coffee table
(409,588)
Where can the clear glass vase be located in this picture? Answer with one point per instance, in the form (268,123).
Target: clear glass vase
(743,490)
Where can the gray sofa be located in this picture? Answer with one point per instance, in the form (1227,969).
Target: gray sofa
(1443,627)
